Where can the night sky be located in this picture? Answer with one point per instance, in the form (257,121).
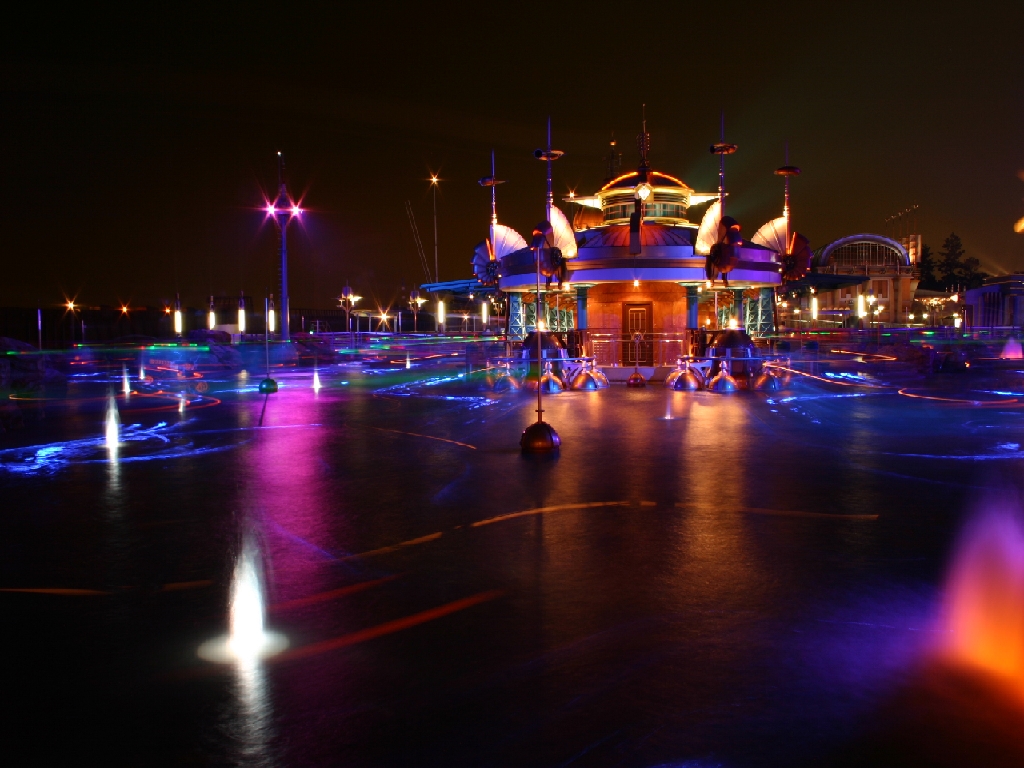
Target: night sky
(137,148)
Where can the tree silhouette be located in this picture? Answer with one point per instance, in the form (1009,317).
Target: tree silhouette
(955,269)
(927,265)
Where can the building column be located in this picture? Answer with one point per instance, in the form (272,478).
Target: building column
(766,311)
(692,302)
(517,322)
(581,307)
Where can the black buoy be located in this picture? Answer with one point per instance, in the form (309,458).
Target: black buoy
(268,386)
(539,437)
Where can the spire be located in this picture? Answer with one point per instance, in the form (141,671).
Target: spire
(492,181)
(614,160)
(722,149)
(786,172)
(548,155)
(643,143)
(494,198)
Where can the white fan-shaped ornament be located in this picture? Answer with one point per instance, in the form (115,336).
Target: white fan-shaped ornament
(773,235)
(707,233)
(506,240)
(565,240)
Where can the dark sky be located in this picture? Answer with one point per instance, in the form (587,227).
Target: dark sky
(137,146)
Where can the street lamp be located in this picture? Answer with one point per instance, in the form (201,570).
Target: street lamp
(70,307)
(271,316)
(283,210)
(211,317)
(415,302)
(440,316)
(177,315)
(347,300)
(541,437)
(433,188)
(241,313)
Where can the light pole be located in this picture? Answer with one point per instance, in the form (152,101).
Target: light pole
(347,300)
(178,326)
(415,301)
(541,437)
(283,210)
(433,188)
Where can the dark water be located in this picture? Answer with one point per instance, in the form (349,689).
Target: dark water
(697,580)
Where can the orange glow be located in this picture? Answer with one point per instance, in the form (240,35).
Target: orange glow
(984,598)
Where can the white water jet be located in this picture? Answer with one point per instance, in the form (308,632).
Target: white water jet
(248,639)
(316,380)
(408,361)
(1012,350)
(245,638)
(124,382)
(181,403)
(112,431)
(142,373)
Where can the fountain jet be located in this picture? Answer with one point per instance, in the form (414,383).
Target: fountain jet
(112,432)
(985,599)
(248,639)
(124,382)
(1012,350)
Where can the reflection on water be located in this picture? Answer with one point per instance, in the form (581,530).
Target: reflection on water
(250,724)
(112,431)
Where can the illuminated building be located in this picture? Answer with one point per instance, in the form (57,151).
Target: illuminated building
(632,261)
(872,269)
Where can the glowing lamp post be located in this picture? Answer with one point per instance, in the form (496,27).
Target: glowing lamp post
(177,316)
(415,301)
(440,316)
(540,437)
(483,315)
(283,210)
(241,314)
(271,316)
(211,316)
(347,300)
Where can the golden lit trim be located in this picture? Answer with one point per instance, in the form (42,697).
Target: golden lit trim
(634,173)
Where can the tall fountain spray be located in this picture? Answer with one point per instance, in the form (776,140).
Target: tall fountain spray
(112,430)
(245,637)
(125,386)
(985,598)
(316,380)
(1012,350)
(248,639)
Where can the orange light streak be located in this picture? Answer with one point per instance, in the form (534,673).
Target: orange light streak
(334,594)
(388,627)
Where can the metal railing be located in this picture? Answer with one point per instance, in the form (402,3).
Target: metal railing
(613,347)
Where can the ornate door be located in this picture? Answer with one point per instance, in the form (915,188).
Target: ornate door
(637,337)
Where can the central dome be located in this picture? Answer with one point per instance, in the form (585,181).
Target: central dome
(667,205)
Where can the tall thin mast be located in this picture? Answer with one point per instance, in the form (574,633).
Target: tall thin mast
(722,149)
